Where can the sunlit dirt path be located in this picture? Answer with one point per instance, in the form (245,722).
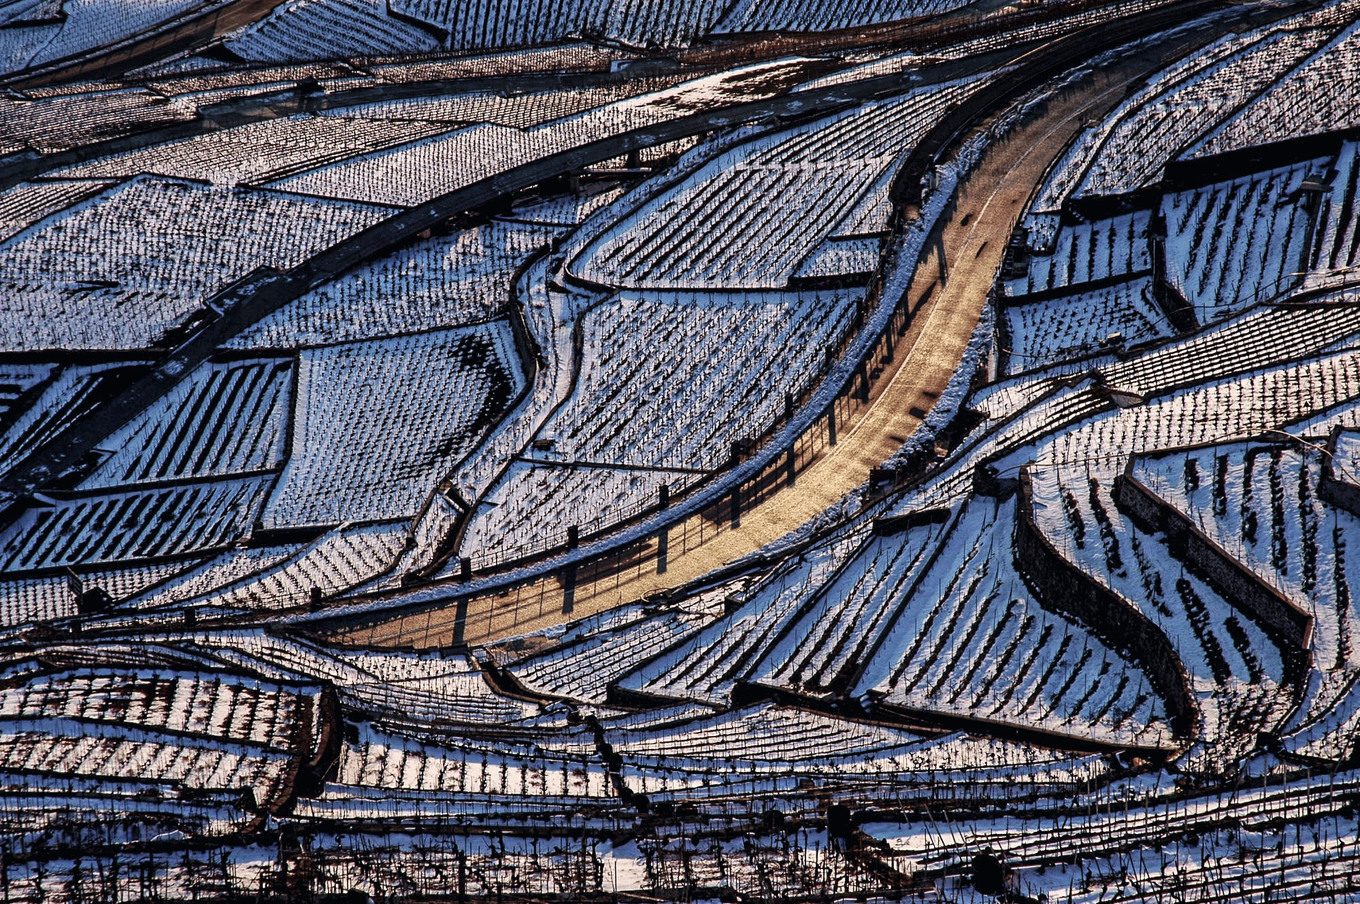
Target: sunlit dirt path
(973,239)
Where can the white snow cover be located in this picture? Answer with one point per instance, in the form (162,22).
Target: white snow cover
(1088,252)
(90,24)
(378,423)
(216,572)
(404,686)
(258,151)
(137,524)
(1346,457)
(337,561)
(749,217)
(1130,147)
(65,396)
(1080,325)
(668,381)
(1259,501)
(439,282)
(814,15)
(26,203)
(582,668)
(326,30)
(443,766)
(121,268)
(1232,244)
(486,25)
(517,110)
(224,419)
(413,173)
(1338,224)
(62,121)
(1321,95)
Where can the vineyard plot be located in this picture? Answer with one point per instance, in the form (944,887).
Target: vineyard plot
(340,559)
(132,525)
(436,283)
(748,218)
(225,419)
(1082,324)
(119,270)
(972,641)
(370,443)
(595,653)
(258,151)
(1232,244)
(1338,230)
(768,751)
(1317,97)
(810,15)
(326,30)
(27,203)
(668,382)
(1130,148)
(1097,251)
(518,110)
(67,395)
(419,171)
(1259,502)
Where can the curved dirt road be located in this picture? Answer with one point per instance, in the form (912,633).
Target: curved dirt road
(973,239)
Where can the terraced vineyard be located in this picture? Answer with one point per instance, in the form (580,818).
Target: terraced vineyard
(619,451)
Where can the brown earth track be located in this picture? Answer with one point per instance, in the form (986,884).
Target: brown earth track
(972,238)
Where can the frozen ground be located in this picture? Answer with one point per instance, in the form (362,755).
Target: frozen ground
(1094,624)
